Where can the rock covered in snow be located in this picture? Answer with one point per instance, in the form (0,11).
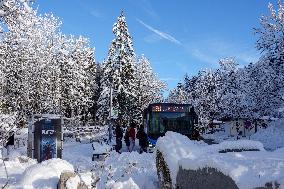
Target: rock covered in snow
(73,182)
(175,146)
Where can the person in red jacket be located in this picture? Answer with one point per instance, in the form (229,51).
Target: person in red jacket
(132,136)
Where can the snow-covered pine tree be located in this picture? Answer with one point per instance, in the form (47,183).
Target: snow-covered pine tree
(229,89)
(20,46)
(207,99)
(32,50)
(190,85)
(271,43)
(263,90)
(77,77)
(97,76)
(178,95)
(271,36)
(118,75)
(149,87)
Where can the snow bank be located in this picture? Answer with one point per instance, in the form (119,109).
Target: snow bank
(271,137)
(249,169)
(174,147)
(129,184)
(129,169)
(73,182)
(46,174)
(15,168)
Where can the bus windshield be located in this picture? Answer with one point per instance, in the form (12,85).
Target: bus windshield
(161,122)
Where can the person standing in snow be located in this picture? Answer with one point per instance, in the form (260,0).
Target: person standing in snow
(143,139)
(132,136)
(126,138)
(10,143)
(119,135)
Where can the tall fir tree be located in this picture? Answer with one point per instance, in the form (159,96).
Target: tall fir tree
(118,76)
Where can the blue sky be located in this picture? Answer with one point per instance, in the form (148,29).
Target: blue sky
(178,37)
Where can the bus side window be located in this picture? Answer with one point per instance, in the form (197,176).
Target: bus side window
(163,124)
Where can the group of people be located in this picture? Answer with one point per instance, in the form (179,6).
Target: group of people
(129,138)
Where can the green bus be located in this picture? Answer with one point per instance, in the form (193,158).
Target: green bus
(162,117)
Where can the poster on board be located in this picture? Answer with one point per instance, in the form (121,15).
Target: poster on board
(48,141)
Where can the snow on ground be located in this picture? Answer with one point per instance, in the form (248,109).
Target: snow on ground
(273,136)
(138,171)
(45,175)
(80,156)
(15,168)
(129,169)
(125,170)
(129,184)
(248,169)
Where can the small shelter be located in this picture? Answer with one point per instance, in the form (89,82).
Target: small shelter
(243,127)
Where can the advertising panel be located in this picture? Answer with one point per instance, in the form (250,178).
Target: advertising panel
(48,140)
(45,138)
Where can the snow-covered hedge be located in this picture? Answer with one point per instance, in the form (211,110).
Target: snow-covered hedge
(7,124)
(247,169)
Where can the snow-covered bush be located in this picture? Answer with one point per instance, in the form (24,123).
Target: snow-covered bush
(7,126)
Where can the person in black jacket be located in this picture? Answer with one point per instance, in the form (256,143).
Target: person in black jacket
(10,142)
(143,140)
(126,139)
(119,135)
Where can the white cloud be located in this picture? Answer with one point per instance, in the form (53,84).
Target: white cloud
(96,14)
(213,49)
(160,33)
